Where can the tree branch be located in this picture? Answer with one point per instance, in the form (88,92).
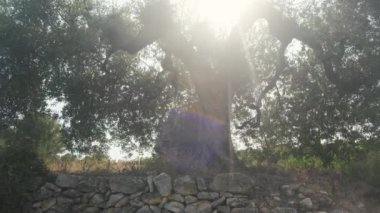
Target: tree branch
(255,122)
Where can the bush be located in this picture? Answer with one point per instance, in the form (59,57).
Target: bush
(304,162)
(367,169)
(19,166)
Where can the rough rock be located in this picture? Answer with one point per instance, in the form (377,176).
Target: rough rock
(284,210)
(124,201)
(208,196)
(185,185)
(91,210)
(224,209)
(306,203)
(174,206)
(89,184)
(126,185)
(177,197)
(98,200)
(201,183)
(237,202)
(151,198)
(113,199)
(149,180)
(218,202)
(155,209)
(66,181)
(144,209)
(199,207)
(136,203)
(47,204)
(72,193)
(52,187)
(232,182)
(244,210)
(64,201)
(190,199)
(163,184)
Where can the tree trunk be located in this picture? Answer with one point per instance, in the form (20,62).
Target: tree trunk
(198,137)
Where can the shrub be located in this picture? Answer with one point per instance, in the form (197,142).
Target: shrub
(304,162)
(367,169)
(19,166)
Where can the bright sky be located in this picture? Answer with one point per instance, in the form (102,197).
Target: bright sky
(220,14)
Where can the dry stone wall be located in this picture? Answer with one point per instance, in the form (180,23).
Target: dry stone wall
(224,193)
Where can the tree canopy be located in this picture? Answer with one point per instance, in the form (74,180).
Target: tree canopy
(305,74)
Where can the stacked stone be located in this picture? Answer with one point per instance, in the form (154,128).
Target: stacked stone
(225,193)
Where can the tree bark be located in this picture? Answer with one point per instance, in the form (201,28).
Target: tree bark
(198,137)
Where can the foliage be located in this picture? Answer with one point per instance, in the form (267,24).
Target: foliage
(63,50)
(19,168)
(366,169)
(33,141)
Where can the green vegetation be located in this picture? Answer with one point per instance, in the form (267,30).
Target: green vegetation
(26,148)
(301,90)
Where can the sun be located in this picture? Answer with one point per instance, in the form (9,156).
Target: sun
(219,14)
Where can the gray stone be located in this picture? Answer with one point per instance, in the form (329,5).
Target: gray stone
(202,186)
(36,205)
(136,203)
(244,210)
(232,182)
(98,200)
(185,185)
(155,209)
(124,201)
(163,202)
(114,199)
(305,191)
(151,198)
(71,193)
(87,197)
(284,210)
(174,206)
(339,211)
(144,209)
(129,209)
(208,195)
(126,184)
(325,202)
(177,197)
(91,210)
(67,181)
(103,185)
(190,199)
(113,210)
(235,202)
(224,209)
(218,202)
(149,180)
(89,184)
(47,204)
(135,195)
(64,201)
(163,184)
(199,207)
(44,193)
(306,203)
(79,207)
(226,194)
(52,187)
